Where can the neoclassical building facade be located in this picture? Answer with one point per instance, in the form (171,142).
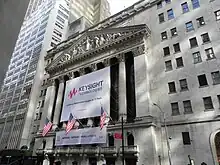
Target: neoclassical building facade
(164,73)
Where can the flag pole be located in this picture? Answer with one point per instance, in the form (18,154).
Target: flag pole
(78,120)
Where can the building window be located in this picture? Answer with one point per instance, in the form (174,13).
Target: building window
(187,107)
(168,1)
(175,109)
(208,103)
(183,85)
(170,14)
(42,103)
(217,15)
(200,21)
(205,38)
(161,18)
(173,32)
(197,57)
(202,80)
(195,4)
(164,35)
(179,62)
(193,42)
(168,65)
(186,138)
(172,87)
(185,7)
(218,96)
(189,26)
(176,47)
(216,77)
(209,53)
(166,51)
(159,5)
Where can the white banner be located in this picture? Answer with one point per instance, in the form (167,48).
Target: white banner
(81,136)
(85,95)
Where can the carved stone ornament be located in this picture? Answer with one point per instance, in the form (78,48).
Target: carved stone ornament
(51,82)
(93,42)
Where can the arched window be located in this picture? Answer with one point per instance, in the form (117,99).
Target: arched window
(130,139)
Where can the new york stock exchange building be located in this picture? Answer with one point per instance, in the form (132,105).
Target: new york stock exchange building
(124,69)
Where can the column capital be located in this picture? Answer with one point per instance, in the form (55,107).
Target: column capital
(81,71)
(106,62)
(121,58)
(139,50)
(51,82)
(93,67)
(61,79)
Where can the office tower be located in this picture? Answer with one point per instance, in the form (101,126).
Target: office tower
(162,58)
(96,10)
(10,25)
(45,26)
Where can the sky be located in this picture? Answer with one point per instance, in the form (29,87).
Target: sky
(118,5)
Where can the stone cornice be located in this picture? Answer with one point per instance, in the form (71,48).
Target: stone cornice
(68,61)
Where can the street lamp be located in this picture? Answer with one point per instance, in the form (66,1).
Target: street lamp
(166,132)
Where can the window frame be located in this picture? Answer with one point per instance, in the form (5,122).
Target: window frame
(173,32)
(176,48)
(210,55)
(195,4)
(200,22)
(179,60)
(183,85)
(198,57)
(164,35)
(200,81)
(172,87)
(161,15)
(187,106)
(208,106)
(215,77)
(191,27)
(185,7)
(168,67)
(193,42)
(205,38)
(175,109)
(170,14)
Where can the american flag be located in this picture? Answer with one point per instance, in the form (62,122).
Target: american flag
(47,126)
(102,118)
(70,124)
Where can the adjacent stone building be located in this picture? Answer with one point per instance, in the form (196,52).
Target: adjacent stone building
(164,57)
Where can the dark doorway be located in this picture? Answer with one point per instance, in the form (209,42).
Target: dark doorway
(130,161)
(111,140)
(92,161)
(110,161)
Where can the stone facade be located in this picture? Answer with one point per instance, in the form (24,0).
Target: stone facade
(190,129)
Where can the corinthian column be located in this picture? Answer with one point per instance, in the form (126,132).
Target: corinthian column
(48,105)
(58,107)
(122,88)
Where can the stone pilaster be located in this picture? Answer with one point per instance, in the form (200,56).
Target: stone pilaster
(122,88)
(48,105)
(58,107)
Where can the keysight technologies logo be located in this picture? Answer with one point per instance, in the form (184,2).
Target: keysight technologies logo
(86,89)
(72,93)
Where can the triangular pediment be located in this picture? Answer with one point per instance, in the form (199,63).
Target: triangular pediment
(91,41)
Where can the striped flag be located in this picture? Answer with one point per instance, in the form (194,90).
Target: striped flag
(47,126)
(102,118)
(70,124)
